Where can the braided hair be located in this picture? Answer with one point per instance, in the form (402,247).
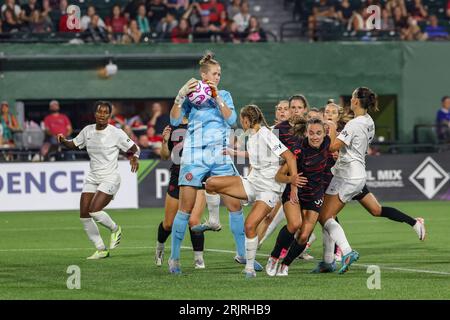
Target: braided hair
(254,114)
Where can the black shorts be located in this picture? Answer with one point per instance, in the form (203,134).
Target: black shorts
(174,189)
(305,204)
(364,192)
(315,205)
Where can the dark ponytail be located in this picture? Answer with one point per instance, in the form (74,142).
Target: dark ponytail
(367,98)
(299,125)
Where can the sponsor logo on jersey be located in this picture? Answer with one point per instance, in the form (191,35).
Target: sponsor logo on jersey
(278,146)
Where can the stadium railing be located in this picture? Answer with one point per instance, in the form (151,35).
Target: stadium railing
(427,132)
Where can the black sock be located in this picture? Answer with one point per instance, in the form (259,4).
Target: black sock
(335,245)
(163,234)
(284,240)
(198,240)
(395,215)
(294,251)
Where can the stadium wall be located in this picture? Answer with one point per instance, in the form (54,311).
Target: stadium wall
(56,186)
(254,73)
(390,177)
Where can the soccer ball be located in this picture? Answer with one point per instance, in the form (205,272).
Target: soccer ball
(201,94)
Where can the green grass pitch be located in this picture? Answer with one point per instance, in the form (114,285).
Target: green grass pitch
(37,248)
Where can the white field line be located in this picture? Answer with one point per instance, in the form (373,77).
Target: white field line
(219,251)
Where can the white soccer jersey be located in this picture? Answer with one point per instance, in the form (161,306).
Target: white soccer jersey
(264,150)
(103,149)
(356,135)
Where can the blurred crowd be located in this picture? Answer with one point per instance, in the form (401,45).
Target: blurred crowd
(410,19)
(176,21)
(144,129)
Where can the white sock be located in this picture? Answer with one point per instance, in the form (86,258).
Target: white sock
(198,255)
(92,232)
(213,202)
(274,224)
(328,247)
(311,239)
(251,245)
(337,234)
(104,219)
(159,245)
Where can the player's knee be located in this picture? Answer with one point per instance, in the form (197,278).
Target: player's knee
(303,238)
(84,214)
(293,226)
(233,206)
(93,213)
(250,229)
(211,184)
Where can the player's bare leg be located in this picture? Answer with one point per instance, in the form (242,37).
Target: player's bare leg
(259,210)
(267,226)
(90,227)
(98,203)
(371,204)
(333,232)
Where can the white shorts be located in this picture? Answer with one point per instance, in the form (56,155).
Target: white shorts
(109,186)
(268,197)
(345,188)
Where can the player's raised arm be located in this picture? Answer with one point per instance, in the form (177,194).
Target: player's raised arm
(176,113)
(335,144)
(165,152)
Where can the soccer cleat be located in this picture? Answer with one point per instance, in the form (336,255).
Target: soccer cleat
(419,227)
(271,266)
(258,267)
(99,254)
(323,267)
(174,266)
(347,260)
(338,254)
(249,274)
(282,271)
(306,256)
(199,263)
(116,236)
(159,255)
(206,226)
